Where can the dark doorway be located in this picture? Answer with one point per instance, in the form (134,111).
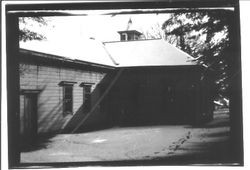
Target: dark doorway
(191,104)
(169,103)
(29,119)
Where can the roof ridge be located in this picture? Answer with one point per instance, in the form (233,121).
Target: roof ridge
(131,40)
(110,56)
(107,52)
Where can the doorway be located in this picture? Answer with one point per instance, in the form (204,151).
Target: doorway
(169,104)
(28,118)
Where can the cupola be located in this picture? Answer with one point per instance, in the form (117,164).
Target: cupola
(129,34)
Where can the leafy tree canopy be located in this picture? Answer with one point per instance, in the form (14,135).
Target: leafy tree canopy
(205,36)
(25,28)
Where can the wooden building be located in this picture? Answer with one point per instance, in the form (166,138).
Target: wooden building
(127,82)
(159,84)
(55,89)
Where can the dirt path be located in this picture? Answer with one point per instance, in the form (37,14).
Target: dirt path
(203,145)
(161,144)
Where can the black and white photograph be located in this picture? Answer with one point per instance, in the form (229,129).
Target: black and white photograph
(124,83)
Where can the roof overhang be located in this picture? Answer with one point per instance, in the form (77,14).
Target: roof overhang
(62,59)
(130,31)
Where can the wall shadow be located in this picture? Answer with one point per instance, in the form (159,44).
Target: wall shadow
(144,97)
(99,118)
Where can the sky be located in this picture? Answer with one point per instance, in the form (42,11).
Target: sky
(71,35)
(101,27)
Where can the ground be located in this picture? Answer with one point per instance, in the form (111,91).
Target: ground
(139,145)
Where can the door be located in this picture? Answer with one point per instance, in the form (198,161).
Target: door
(29,120)
(191,103)
(170,98)
(169,104)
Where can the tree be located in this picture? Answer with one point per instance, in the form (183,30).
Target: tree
(156,32)
(25,28)
(27,34)
(205,36)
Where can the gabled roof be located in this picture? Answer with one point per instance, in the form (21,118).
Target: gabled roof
(147,53)
(115,54)
(34,56)
(90,51)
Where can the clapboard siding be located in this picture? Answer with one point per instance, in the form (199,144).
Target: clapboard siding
(46,79)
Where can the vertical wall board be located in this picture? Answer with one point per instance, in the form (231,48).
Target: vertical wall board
(143,96)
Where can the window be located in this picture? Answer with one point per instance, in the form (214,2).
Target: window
(67,96)
(136,37)
(130,37)
(86,95)
(67,99)
(124,37)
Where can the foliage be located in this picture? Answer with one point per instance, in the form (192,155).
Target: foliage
(155,32)
(26,23)
(205,36)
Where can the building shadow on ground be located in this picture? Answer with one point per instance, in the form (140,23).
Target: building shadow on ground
(40,142)
(214,150)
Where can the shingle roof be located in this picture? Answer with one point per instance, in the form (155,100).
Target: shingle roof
(147,53)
